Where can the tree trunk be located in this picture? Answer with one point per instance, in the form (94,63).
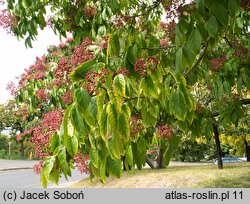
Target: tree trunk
(22,151)
(150,162)
(247,148)
(160,159)
(217,141)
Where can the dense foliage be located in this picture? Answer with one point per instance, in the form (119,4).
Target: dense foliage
(131,82)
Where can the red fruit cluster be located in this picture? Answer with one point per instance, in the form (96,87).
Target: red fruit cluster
(42,95)
(121,21)
(11,87)
(217,63)
(164,132)
(241,53)
(43,132)
(164,42)
(38,167)
(62,71)
(152,62)
(245,4)
(82,53)
(104,43)
(67,98)
(93,78)
(121,71)
(173,8)
(82,162)
(140,66)
(135,124)
(7,21)
(89,11)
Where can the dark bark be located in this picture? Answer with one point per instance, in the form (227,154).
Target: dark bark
(160,159)
(218,147)
(150,162)
(247,148)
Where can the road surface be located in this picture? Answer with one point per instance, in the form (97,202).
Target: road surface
(26,178)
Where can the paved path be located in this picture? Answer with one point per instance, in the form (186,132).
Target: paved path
(16,164)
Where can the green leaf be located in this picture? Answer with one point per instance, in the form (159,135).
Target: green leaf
(113,116)
(117,147)
(54,142)
(233,6)
(102,121)
(120,84)
(46,169)
(54,176)
(212,26)
(102,31)
(123,126)
(78,122)
(178,105)
(100,100)
(82,98)
(179,60)
(129,158)
(131,54)
(80,72)
(220,12)
(147,118)
(114,44)
(149,88)
(195,41)
(93,107)
(71,144)
(201,6)
(167,156)
(114,167)
(63,162)
(94,158)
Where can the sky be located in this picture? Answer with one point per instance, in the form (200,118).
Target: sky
(15,57)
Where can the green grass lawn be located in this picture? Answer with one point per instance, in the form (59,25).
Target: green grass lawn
(235,175)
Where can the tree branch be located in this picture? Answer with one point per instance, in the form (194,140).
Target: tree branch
(199,59)
(245,101)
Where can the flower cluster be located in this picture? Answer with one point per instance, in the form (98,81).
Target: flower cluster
(217,63)
(136,125)
(82,162)
(67,98)
(38,167)
(42,95)
(164,132)
(82,53)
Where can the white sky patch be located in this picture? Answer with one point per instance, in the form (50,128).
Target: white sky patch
(15,57)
